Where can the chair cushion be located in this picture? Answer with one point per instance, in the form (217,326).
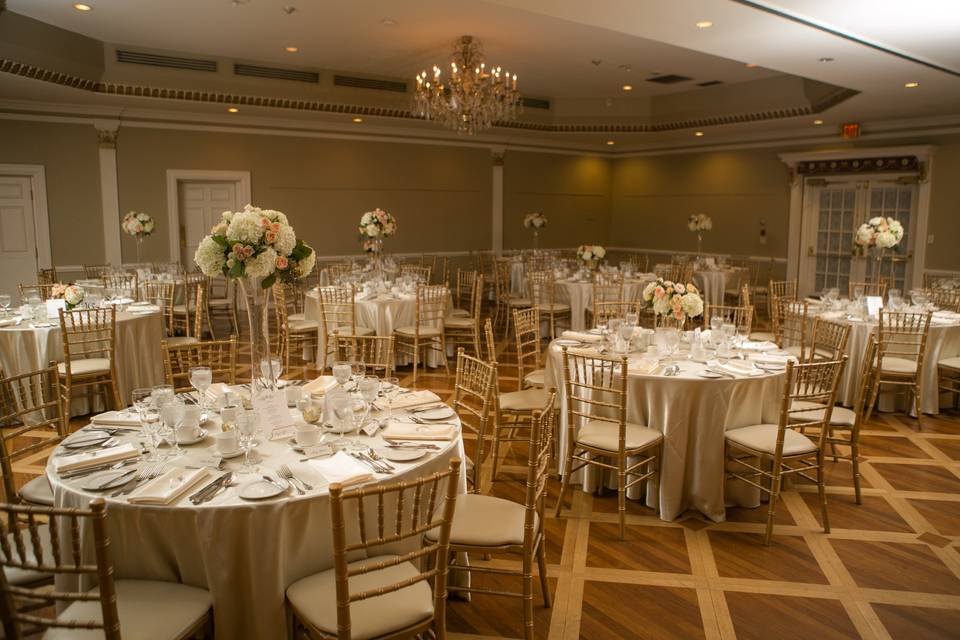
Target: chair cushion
(951,363)
(219,303)
(898,365)
(840,417)
(535,378)
(487,521)
(315,600)
(763,438)
(38,491)
(459,313)
(303,326)
(600,434)
(520,302)
(361,331)
(526,400)
(148,609)
(22,577)
(458,322)
(178,340)
(181,309)
(294,317)
(85,366)
(554,307)
(763,336)
(412,331)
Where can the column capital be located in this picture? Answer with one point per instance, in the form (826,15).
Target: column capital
(497,153)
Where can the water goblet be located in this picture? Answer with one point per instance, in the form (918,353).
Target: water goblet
(141,399)
(358,370)
(201,378)
(172,414)
(150,423)
(340,407)
(632,318)
(716,323)
(341,372)
(391,388)
(728,330)
(626,333)
(5,303)
(247,432)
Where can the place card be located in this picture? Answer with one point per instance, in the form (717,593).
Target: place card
(874,304)
(272,410)
(54,307)
(283,433)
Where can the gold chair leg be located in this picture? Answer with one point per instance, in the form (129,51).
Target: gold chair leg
(527,597)
(565,480)
(772,509)
(542,568)
(821,490)
(416,354)
(854,459)
(496,447)
(622,499)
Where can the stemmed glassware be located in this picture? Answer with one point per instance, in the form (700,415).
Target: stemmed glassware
(358,370)
(341,372)
(626,333)
(172,414)
(247,434)
(201,378)
(5,303)
(160,396)
(150,421)
(341,407)
(369,391)
(716,324)
(391,387)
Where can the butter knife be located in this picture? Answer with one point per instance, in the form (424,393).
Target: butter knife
(213,485)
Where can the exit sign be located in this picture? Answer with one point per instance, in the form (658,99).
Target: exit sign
(850,130)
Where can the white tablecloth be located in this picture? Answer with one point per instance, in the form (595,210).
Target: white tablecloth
(579,295)
(714,282)
(139,361)
(692,413)
(245,553)
(518,279)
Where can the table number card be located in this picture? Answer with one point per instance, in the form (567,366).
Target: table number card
(874,304)
(54,307)
(271,408)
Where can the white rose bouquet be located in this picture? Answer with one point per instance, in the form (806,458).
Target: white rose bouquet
(674,299)
(255,243)
(377,224)
(138,224)
(591,253)
(880,232)
(535,220)
(699,222)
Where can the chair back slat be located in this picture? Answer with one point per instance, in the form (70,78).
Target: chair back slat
(538,465)
(161,293)
(828,340)
(219,355)
(741,317)
(526,330)
(473,400)
(376,352)
(596,388)
(902,335)
(88,333)
(790,326)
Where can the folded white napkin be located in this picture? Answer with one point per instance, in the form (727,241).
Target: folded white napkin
(736,368)
(766,358)
(415,399)
(216,391)
(94,458)
(6,322)
(144,308)
(413,431)
(832,315)
(643,366)
(320,386)
(751,345)
(342,468)
(581,336)
(168,488)
(127,418)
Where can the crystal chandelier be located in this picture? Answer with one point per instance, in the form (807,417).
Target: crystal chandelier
(474,97)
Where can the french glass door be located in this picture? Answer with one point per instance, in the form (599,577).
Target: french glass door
(834,208)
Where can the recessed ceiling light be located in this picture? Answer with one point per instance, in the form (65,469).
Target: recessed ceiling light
(233,110)
(699,134)
(818,122)
(750,65)
(627,87)
(704,24)
(912,85)
(388,22)
(826,59)
(79,6)
(358,120)
(611,142)
(291,49)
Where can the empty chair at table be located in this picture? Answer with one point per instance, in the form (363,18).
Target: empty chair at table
(828,340)
(874,288)
(161,293)
(123,284)
(474,400)
(426,334)
(464,330)
(419,273)
(47,276)
(219,355)
(901,348)
(222,303)
(115,608)
(463,297)
(377,353)
(790,326)
(506,301)
(338,314)
(95,271)
(298,336)
(90,354)
(740,317)
(42,291)
(542,290)
(193,311)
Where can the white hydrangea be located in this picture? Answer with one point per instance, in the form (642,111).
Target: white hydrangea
(599,251)
(245,227)
(648,291)
(261,265)
(692,305)
(305,266)
(286,240)
(886,239)
(373,230)
(210,257)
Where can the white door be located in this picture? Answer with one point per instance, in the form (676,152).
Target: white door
(18,239)
(201,204)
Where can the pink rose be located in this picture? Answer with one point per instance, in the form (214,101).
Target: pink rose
(270,236)
(281,262)
(264,222)
(659,292)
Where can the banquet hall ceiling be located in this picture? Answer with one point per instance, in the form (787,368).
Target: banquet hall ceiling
(760,61)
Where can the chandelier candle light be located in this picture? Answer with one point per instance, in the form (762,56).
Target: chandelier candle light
(535,221)
(698,223)
(474,97)
(879,233)
(139,225)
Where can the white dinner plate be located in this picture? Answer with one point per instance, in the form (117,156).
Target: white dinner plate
(401,454)
(263,490)
(566,342)
(108,480)
(233,454)
(439,413)
(709,374)
(87,439)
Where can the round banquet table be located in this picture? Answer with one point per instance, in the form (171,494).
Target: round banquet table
(245,553)
(692,413)
(579,295)
(713,282)
(139,362)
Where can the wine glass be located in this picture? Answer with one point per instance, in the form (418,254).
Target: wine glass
(728,330)
(141,399)
(5,303)
(716,323)
(341,407)
(369,391)
(271,369)
(172,414)
(247,434)
(391,387)
(358,369)
(632,318)
(161,395)
(626,333)
(743,333)
(201,378)
(150,422)
(672,341)
(341,372)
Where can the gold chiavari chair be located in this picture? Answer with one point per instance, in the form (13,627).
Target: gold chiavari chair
(901,347)
(338,314)
(335,271)
(605,288)
(115,607)
(868,288)
(763,455)
(222,303)
(300,336)
(740,317)
(948,375)
(47,276)
(790,326)
(605,311)
(120,282)
(487,524)
(422,274)
(160,293)
(597,427)
(506,302)
(783,289)
(89,350)
(426,334)
(377,594)
(465,330)
(378,353)
(474,400)
(828,340)
(43,291)
(948,300)
(196,288)
(490,342)
(640,262)
(463,302)
(95,271)
(31,410)
(219,355)
(526,332)
(542,289)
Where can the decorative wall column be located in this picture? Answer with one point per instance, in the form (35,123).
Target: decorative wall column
(109,190)
(497,208)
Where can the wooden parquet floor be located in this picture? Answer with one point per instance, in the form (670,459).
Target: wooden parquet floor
(890,568)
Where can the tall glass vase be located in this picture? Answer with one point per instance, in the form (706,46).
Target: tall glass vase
(376,259)
(139,248)
(536,239)
(699,245)
(877,264)
(256,300)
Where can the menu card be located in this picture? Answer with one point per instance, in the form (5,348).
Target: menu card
(272,410)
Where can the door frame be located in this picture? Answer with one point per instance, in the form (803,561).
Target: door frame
(176,176)
(41,218)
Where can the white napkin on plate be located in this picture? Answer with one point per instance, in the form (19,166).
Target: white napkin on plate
(581,336)
(644,366)
(94,458)
(736,368)
(216,391)
(415,399)
(143,308)
(168,488)
(413,431)
(319,387)
(752,345)
(117,419)
(342,468)
(766,358)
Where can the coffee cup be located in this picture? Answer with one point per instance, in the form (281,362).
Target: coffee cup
(293,395)
(228,417)
(225,442)
(307,435)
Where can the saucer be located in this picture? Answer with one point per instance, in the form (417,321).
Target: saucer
(709,374)
(199,437)
(440,413)
(567,342)
(401,455)
(229,456)
(263,490)
(300,447)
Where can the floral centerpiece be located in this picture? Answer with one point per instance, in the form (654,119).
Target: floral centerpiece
(674,299)
(374,227)
(72,294)
(139,225)
(591,254)
(535,221)
(879,233)
(257,247)
(698,223)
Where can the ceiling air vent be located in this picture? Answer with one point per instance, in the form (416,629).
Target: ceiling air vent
(275,73)
(669,78)
(171,62)
(370,83)
(709,83)
(535,103)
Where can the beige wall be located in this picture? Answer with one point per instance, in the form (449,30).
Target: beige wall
(69,154)
(652,197)
(944,221)
(441,195)
(572,191)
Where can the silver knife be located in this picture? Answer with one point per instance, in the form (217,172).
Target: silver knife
(198,497)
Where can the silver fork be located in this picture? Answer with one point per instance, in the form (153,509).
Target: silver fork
(287,475)
(140,475)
